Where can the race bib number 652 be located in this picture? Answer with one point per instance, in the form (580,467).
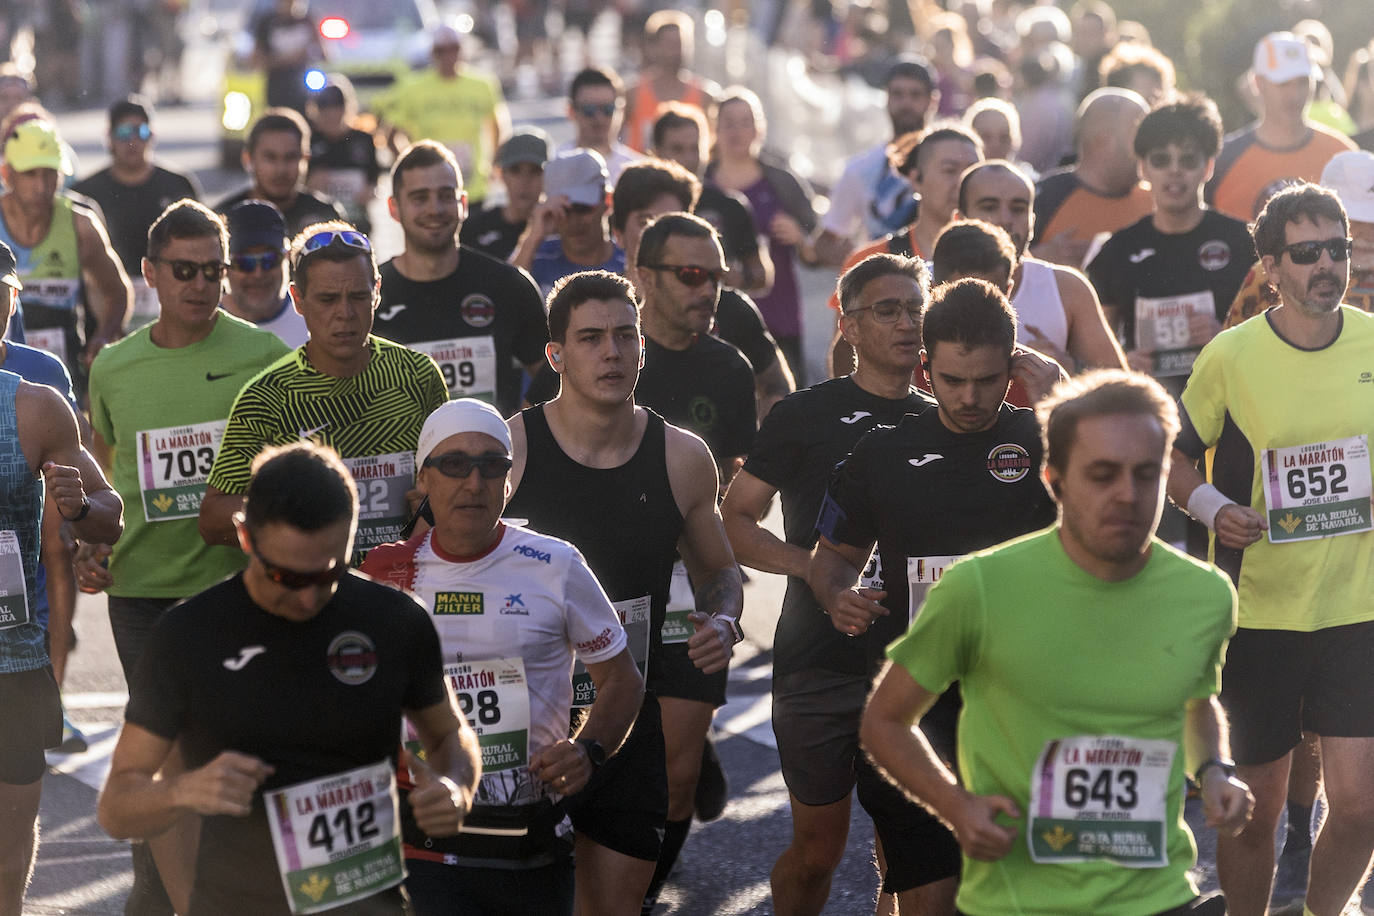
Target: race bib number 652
(1318,490)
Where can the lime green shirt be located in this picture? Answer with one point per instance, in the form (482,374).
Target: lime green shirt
(161,412)
(1045,652)
(454,112)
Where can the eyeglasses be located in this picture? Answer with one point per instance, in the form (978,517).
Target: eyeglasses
(297,580)
(186,271)
(247,263)
(133,131)
(591,111)
(689,275)
(459,465)
(887,311)
(1188,162)
(1311,252)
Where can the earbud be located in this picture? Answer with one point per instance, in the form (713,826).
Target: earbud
(925,364)
(555,357)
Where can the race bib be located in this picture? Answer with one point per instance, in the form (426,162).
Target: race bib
(1162,325)
(1101,797)
(495,698)
(1317,491)
(921,574)
(872,576)
(634,617)
(681,602)
(14,596)
(468,365)
(53,292)
(146,305)
(337,839)
(344,185)
(382,482)
(173,465)
(53,340)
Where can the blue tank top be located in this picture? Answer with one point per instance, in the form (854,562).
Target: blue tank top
(22,645)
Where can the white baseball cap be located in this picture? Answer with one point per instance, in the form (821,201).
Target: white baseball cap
(1282,56)
(1351,175)
(465,415)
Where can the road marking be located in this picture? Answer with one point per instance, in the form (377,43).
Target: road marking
(114,699)
(91,766)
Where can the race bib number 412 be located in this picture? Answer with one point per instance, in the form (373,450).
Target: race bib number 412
(1319,490)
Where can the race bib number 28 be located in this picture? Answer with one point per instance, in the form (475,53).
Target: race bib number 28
(1319,490)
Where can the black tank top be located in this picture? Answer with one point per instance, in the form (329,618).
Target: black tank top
(624,519)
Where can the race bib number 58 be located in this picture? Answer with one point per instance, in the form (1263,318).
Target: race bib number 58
(1319,490)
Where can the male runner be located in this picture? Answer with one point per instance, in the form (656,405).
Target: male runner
(480,319)
(596,107)
(276,154)
(1086,654)
(820,677)
(1279,397)
(567,232)
(935,487)
(345,388)
(514,607)
(631,492)
(284,686)
(40,452)
(665,78)
(260,272)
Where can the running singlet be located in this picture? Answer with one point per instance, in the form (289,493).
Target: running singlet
(509,622)
(482,324)
(644,102)
(928,495)
(53,291)
(162,413)
(1248,173)
(319,700)
(372,420)
(1085,739)
(1036,301)
(1292,429)
(801,440)
(23,643)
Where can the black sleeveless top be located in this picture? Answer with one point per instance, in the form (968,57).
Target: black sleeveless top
(624,519)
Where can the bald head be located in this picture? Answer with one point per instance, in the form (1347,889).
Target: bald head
(1108,111)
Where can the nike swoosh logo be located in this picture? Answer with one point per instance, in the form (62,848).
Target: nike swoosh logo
(1141,255)
(212,377)
(246,655)
(307,433)
(391,312)
(923,460)
(855,417)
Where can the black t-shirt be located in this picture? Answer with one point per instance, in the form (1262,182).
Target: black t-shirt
(284,33)
(797,448)
(318,697)
(354,149)
(1148,274)
(925,494)
(739,322)
(130,210)
(733,217)
(707,388)
(308,208)
(482,324)
(488,232)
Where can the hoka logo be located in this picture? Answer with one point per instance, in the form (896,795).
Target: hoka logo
(527,551)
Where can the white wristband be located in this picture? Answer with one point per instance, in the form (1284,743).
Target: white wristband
(1205,503)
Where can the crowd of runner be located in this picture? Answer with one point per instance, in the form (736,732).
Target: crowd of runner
(425,574)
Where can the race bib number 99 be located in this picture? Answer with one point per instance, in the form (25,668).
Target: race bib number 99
(1101,797)
(1319,490)
(468,365)
(173,465)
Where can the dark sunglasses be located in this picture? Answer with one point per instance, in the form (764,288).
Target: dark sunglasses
(887,311)
(591,111)
(297,580)
(186,271)
(1311,252)
(133,131)
(689,274)
(1162,160)
(247,263)
(581,209)
(459,465)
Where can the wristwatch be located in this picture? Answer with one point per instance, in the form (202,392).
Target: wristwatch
(1227,766)
(596,754)
(735,628)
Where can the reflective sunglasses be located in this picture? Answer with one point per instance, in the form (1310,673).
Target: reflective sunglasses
(459,465)
(887,311)
(186,271)
(328,237)
(1162,159)
(1311,252)
(297,580)
(689,275)
(133,131)
(247,263)
(591,111)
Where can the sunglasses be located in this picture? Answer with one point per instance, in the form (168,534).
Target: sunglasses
(1311,252)
(459,465)
(591,111)
(689,275)
(581,209)
(186,271)
(1189,162)
(887,311)
(329,237)
(296,580)
(247,263)
(133,132)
